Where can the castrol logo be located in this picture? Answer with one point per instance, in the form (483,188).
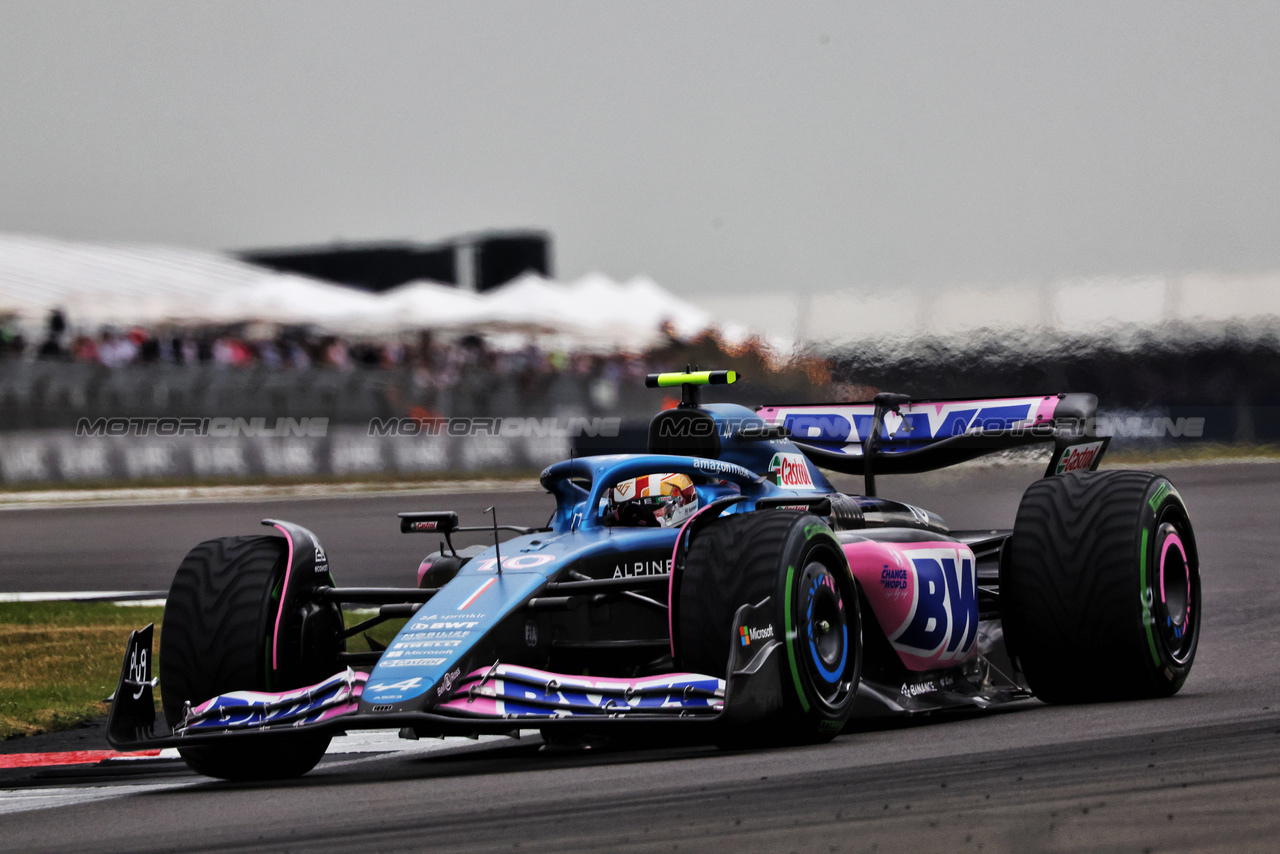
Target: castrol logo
(791,471)
(1079,457)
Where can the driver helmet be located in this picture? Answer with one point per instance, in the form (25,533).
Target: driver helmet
(653,501)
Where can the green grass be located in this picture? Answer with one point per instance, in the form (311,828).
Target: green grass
(62,659)
(383,633)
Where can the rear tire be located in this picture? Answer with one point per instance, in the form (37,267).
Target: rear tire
(793,559)
(1101,589)
(217,633)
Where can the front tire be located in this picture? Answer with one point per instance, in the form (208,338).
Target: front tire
(217,633)
(1101,589)
(792,559)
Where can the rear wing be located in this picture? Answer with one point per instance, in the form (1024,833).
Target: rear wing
(896,435)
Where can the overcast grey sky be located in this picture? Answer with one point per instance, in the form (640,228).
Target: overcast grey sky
(713,146)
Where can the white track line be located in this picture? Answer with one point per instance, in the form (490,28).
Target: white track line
(120,597)
(25,800)
(373,743)
(144,496)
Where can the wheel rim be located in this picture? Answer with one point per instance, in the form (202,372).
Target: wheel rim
(1176,593)
(825,636)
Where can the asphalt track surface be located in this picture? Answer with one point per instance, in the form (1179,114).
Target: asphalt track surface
(1199,771)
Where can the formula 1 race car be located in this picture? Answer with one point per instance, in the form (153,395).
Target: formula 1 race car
(717,584)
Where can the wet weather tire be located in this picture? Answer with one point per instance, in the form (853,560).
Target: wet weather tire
(792,559)
(1100,589)
(216,637)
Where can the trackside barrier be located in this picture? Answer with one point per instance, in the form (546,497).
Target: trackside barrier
(60,456)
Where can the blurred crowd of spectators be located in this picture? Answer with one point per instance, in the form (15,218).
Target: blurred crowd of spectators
(235,347)
(435,361)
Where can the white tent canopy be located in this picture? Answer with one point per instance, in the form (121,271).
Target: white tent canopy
(117,285)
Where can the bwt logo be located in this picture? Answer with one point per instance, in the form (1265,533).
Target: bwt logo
(943,622)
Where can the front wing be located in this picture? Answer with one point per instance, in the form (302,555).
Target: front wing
(497,699)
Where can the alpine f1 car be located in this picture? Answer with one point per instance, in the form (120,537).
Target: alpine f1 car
(718,584)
